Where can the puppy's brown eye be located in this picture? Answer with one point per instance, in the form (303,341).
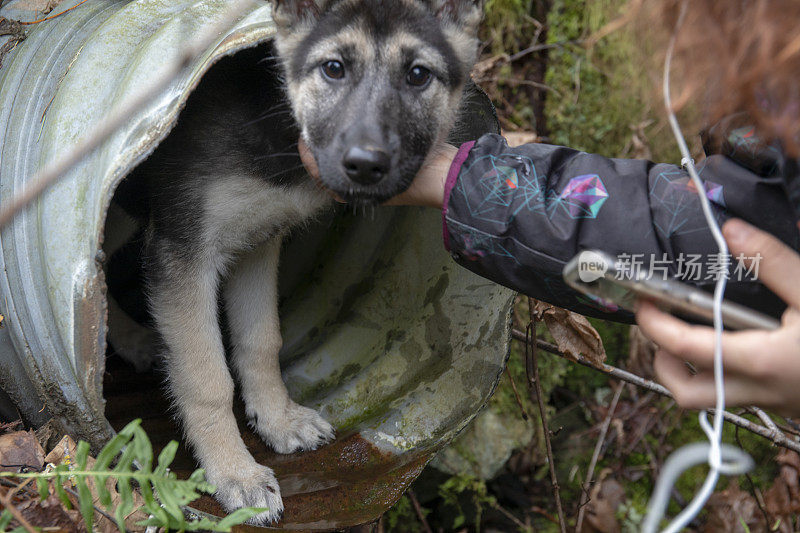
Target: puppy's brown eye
(418,76)
(333,70)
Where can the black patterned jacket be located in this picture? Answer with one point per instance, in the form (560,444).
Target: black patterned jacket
(517,215)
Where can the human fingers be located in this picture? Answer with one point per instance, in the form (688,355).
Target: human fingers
(696,343)
(691,392)
(779,265)
(427,189)
(698,391)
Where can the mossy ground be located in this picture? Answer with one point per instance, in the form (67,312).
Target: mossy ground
(603,100)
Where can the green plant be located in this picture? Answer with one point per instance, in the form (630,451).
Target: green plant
(163,494)
(453,488)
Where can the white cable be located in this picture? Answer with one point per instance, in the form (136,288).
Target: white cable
(682,458)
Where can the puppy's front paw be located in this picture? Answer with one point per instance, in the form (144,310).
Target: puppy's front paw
(299,428)
(254,486)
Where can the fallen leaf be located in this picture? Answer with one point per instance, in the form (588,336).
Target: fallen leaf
(782,499)
(51,514)
(20,449)
(41,6)
(10,27)
(572,332)
(601,510)
(641,354)
(733,510)
(64,451)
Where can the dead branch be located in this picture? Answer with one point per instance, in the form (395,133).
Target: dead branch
(418,509)
(516,395)
(595,456)
(56,15)
(5,499)
(534,384)
(780,438)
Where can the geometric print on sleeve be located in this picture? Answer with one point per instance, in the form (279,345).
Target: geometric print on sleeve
(680,212)
(509,184)
(475,244)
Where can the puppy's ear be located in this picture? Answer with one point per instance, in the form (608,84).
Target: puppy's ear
(466,14)
(289,14)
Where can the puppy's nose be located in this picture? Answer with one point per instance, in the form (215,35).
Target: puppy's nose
(366,167)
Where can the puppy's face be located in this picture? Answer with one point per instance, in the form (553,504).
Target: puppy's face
(374,84)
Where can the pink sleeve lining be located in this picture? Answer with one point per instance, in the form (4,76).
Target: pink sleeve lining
(452,176)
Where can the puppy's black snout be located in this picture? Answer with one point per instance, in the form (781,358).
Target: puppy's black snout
(366,167)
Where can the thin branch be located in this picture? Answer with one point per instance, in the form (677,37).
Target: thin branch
(418,509)
(6,501)
(517,522)
(607,369)
(532,365)
(595,456)
(117,117)
(516,394)
(764,417)
(540,47)
(779,439)
(96,508)
(516,81)
(56,15)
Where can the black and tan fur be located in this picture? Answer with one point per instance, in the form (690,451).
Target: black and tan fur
(227,185)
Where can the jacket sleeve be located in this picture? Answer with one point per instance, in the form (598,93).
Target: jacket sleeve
(517,215)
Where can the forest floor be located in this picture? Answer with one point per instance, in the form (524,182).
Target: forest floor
(549,86)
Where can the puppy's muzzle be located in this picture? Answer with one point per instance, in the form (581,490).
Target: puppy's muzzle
(365,166)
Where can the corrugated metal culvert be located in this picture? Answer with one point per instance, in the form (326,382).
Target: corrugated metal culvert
(393,343)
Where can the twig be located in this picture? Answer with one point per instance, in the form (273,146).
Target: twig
(595,456)
(516,394)
(780,439)
(18,488)
(116,118)
(96,508)
(607,369)
(6,501)
(56,15)
(418,509)
(532,364)
(753,489)
(540,47)
(516,81)
(764,417)
(508,514)
(538,510)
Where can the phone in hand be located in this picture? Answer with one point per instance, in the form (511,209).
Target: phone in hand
(598,275)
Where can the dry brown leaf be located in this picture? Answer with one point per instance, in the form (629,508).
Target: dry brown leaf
(51,514)
(641,354)
(731,509)
(572,332)
(601,510)
(20,449)
(782,499)
(66,449)
(41,6)
(9,27)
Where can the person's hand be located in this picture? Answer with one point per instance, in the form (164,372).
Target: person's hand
(426,189)
(761,367)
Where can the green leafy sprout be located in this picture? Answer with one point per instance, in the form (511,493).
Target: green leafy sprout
(131,453)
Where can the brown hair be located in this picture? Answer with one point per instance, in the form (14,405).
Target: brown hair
(738,55)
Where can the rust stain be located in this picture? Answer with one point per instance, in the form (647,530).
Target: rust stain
(346,483)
